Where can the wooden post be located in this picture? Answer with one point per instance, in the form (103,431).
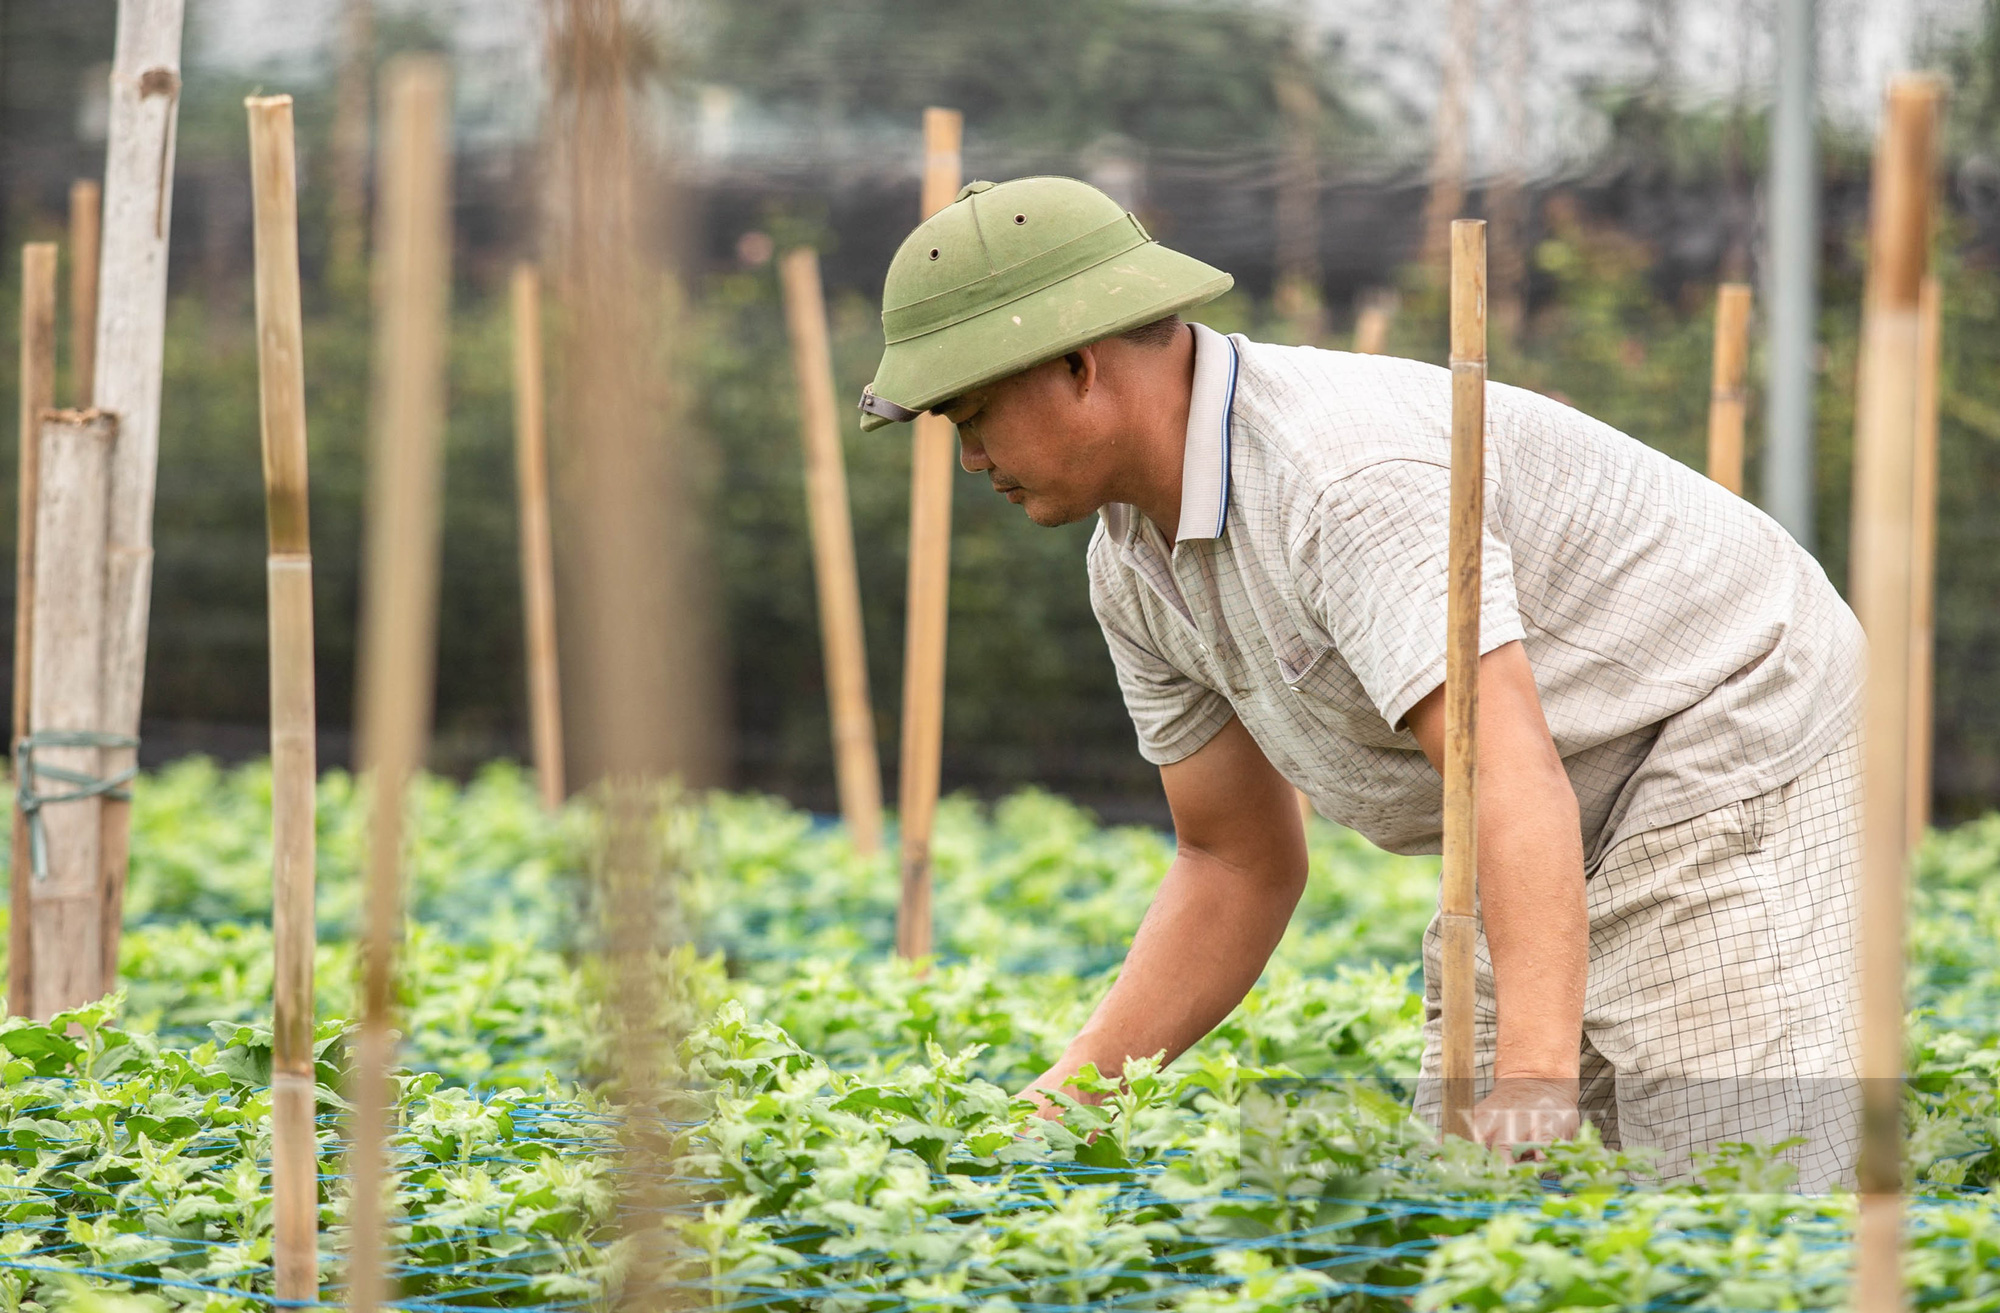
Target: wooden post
(1883,556)
(1726,397)
(38,394)
(1457,905)
(1923,569)
(85,249)
(856,771)
(131,336)
(399,617)
(538,562)
(66,897)
(294,756)
(933,458)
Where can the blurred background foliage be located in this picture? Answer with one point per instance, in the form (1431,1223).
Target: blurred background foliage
(1625,246)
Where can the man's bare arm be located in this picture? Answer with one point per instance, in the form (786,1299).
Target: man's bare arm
(1531,900)
(1238,873)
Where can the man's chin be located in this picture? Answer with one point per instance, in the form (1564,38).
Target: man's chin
(1049,514)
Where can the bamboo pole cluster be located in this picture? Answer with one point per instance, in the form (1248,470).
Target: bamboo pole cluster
(1457,900)
(84,560)
(1886,562)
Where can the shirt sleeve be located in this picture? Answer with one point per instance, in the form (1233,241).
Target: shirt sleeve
(1370,563)
(1172,714)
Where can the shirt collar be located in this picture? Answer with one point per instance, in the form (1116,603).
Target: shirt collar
(1205,465)
(1205,459)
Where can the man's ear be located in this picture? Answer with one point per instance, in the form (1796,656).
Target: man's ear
(1082,364)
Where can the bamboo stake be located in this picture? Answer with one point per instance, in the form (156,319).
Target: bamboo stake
(1884,503)
(347,249)
(1726,396)
(1457,906)
(1447,194)
(1371,325)
(66,902)
(398,644)
(131,338)
(1923,570)
(856,771)
(38,394)
(538,569)
(933,457)
(294,756)
(85,249)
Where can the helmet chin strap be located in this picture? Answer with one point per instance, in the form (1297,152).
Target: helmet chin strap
(889,410)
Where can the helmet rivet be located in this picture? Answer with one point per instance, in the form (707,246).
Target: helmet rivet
(1020,218)
(934,252)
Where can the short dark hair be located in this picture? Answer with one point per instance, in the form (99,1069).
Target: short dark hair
(1159,333)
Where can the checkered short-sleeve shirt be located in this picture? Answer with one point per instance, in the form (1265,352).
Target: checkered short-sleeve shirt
(1688,653)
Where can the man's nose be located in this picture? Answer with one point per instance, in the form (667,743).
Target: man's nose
(972,455)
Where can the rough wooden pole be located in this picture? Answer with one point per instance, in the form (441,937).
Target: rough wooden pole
(934,456)
(85,249)
(131,336)
(1884,502)
(857,773)
(1726,395)
(38,394)
(538,560)
(66,897)
(294,756)
(1923,566)
(399,616)
(1457,905)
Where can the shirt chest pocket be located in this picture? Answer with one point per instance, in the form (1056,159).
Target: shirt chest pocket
(1326,690)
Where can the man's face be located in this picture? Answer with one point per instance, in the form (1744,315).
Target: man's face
(1033,436)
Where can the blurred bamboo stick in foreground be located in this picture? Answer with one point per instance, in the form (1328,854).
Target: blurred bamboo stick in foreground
(399,604)
(637,661)
(1884,508)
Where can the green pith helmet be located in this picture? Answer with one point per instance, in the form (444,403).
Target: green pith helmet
(1010,275)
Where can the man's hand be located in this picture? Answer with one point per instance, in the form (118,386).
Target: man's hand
(1525,1110)
(1237,874)
(1531,904)
(1055,1079)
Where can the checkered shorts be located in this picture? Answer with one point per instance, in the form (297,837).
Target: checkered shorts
(1722,988)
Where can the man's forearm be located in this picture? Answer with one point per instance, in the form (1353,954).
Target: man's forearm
(1204,941)
(1531,902)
